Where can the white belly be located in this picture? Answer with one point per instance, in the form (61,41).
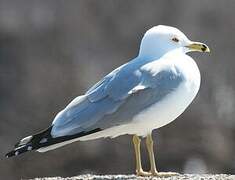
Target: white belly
(167,110)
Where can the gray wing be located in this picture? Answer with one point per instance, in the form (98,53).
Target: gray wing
(116,99)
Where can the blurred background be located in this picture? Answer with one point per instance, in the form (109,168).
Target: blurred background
(53,51)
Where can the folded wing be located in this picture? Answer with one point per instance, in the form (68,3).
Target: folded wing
(116,99)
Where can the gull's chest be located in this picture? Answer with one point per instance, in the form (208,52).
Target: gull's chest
(178,92)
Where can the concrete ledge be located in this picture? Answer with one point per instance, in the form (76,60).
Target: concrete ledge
(132,177)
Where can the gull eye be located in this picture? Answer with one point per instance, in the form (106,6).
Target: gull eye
(175,39)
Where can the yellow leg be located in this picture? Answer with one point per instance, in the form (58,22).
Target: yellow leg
(153,170)
(149,144)
(139,170)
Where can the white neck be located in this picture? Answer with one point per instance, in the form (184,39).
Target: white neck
(151,55)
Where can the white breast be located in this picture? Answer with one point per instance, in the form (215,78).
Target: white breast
(172,106)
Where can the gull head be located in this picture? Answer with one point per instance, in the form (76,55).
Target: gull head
(161,39)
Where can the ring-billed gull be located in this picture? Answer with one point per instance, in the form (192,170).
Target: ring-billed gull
(146,93)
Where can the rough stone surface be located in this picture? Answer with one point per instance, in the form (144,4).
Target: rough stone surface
(132,177)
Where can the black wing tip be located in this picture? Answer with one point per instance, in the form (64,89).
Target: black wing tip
(19,150)
(36,144)
(11,154)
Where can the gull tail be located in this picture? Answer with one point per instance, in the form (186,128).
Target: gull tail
(30,143)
